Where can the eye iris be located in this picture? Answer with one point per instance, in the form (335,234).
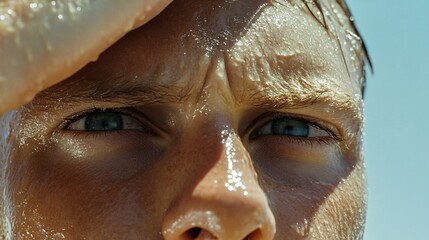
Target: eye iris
(104,121)
(290,127)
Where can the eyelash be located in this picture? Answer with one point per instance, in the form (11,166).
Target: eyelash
(70,120)
(94,135)
(311,141)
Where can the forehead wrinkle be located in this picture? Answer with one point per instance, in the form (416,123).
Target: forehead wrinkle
(276,92)
(291,81)
(274,69)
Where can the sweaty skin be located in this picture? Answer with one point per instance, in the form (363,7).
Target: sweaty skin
(198,90)
(44,42)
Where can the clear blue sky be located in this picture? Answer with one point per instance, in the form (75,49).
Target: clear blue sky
(397,117)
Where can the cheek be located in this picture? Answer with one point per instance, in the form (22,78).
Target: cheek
(105,158)
(300,164)
(311,208)
(342,215)
(70,189)
(315,190)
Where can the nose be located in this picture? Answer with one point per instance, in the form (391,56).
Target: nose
(227,203)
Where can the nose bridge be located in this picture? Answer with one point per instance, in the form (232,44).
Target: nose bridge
(226,203)
(231,177)
(234,168)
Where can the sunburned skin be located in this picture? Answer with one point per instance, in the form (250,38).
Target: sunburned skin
(199,89)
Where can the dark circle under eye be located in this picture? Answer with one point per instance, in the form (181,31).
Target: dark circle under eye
(104,121)
(291,127)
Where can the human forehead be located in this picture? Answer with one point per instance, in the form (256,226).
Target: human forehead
(257,42)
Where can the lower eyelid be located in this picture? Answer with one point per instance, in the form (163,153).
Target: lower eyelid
(106,136)
(285,141)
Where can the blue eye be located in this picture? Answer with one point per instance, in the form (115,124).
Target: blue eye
(105,121)
(291,127)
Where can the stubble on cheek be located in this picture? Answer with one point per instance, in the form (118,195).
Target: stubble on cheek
(317,210)
(342,215)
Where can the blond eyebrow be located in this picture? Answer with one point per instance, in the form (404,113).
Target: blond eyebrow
(123,92)
(135,94)
(282,100)
(324,98)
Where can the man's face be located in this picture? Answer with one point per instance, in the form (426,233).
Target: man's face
(233,119)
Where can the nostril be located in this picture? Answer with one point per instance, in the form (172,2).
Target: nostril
(200,234)
(255,235)
(193,233)
(197,234)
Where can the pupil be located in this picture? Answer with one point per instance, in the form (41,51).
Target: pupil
(104,121)
(290,127)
